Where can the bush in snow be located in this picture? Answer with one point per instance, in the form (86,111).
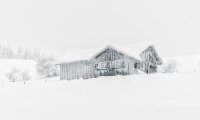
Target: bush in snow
(17,75)
(25,75)
(169,67)
(11,75)
(46,67)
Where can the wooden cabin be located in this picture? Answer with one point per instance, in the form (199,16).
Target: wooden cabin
(110,61)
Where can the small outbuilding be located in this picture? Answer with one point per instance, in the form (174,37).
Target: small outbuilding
(110,61)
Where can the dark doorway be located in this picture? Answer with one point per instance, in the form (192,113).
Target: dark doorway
(136,65)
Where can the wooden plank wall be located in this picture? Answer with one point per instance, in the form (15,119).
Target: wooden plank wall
(133,65)
(124,66)
(76,70)
(86,68)
(150,58)
(109,55)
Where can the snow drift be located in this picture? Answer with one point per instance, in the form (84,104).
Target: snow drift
(136,97)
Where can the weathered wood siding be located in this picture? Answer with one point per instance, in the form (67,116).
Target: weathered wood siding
(109,55)
(150,56)
(116,67)
(140,65)
(76,70)
(151,59)
(110,63)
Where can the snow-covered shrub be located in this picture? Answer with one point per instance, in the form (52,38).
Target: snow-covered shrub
(12,74)
(17,75)
(46,67)
(169,67)
(25,75)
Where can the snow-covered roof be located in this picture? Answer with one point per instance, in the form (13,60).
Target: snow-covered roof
(77,56)
(132,50)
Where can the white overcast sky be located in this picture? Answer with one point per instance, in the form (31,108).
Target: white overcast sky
(59,26)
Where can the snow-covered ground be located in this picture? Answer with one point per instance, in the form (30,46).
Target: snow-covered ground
(136,97)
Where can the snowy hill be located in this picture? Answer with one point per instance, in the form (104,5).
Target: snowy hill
(139,97)
(6,65)
(136,97)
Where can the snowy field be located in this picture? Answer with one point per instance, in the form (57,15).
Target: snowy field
(136,97)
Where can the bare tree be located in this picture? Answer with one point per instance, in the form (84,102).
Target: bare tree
(46,66)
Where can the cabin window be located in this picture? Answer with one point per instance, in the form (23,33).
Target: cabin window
(123,64)
(141,65)
(108,65)
(118,64)
(152,67)
(100,65)
(103,65)
(113,64)
(136,65)
(96,66)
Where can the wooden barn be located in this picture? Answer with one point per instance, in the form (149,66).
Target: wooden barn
(110,61)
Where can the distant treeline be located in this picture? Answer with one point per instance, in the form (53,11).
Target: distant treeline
(46,66)
(6,52)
